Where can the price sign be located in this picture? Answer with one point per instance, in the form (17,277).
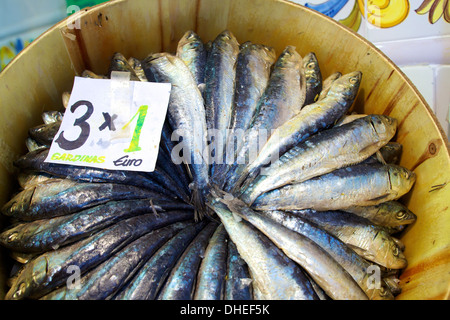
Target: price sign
(112,124)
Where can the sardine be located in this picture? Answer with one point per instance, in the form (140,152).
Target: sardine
(313,78)
(108,278)
(120,63)
(238,283)
(324,152)
(52,116)
(148,280)
(387,214)
(59,197)
(319,264)
(357,185)
(211,276)
(47,234)
(274,276)
(137,67)
(310,120)
(186,114)
(33,145)
(253,68)
(45,133)
(192,51)
(34,161)
(354,264)
(392,152)
(180,284)
(220,75)
(282,100)
(370,241)
(50,270)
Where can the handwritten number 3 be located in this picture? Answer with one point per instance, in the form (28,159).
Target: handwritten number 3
(80,122)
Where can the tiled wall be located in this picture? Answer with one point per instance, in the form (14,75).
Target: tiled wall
(414,34)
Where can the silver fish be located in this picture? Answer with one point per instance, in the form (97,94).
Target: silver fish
(387,214)
(353,263)
(150,277)
(192,51)
(357,185)
(253,68)
(274,276)
(220,75)
(325,271)
(186,114)
(211,276)
(324,152)
(313,78)
(310,120)
(49,270)
(180,284)
(238,281)
(370,241)
(110,276)
(282,99)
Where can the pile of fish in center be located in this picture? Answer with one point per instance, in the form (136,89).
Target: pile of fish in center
(318,221)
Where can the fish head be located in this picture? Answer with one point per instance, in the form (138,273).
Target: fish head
(157,65)
(346,86)
(30,277)
(288,58)
(190,41)
(384,126)
(389,251)
(20,203)
(225,40)
(401,180)
(119,62)
(268,53)
(398,212)
(379,292)
(226,35)
(312,70)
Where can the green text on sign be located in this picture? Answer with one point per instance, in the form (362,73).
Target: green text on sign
(134,145)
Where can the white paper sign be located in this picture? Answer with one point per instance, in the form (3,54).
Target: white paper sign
(112,124)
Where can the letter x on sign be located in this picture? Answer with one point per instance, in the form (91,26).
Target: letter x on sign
(109,122)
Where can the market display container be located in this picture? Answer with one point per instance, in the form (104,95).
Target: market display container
(35,80)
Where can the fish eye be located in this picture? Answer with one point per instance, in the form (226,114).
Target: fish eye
(395,251)
(401,214)
(383,291)
(12,236)
(353,80)
(311,65)
(19,291)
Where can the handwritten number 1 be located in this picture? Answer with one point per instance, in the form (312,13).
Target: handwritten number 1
(134,145)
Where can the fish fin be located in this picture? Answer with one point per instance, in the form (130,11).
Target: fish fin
(380,157)
(380,197)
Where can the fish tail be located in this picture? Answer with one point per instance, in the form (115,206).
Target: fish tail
(234,204)
(199,202)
